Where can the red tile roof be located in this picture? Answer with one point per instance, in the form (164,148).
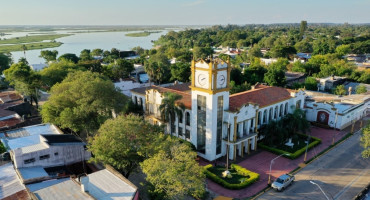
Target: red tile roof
(261,95)
(9,122)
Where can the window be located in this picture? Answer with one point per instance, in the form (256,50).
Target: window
(187,134)
(29,161)
(281,110)
(298,104)
(271,112)
(201,124)
(44,157)
(187,119)
(259,118)
(56,153)
(135,100)
(264,116)
(180,117)
(276,112)
(180,131)
(286,109)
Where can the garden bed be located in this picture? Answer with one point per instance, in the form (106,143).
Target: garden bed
(295,151)
(240,177)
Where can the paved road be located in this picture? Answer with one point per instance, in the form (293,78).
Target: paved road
(341,173)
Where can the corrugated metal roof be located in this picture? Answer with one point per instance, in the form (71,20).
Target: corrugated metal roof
(32,172)
(9,182)
(105,185)
(61,191)
(44,184)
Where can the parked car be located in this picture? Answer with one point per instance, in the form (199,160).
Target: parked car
(282,182)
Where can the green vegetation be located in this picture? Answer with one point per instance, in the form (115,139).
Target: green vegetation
(2,148)
(32,39)
(139,34)
(31,46)
(365,141)
(241,177)
(298,149)
(361,89)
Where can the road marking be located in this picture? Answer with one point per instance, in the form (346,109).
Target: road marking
(349,184)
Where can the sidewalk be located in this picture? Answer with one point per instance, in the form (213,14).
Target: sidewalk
(260,163)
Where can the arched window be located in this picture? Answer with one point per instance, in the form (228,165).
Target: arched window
(271,113)
(180,117)
(264,116)
(276,112)
(187,119)
(135,101)
(281,110)
(286,109)
(141,101)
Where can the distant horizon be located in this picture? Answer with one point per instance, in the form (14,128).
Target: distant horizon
(182,12)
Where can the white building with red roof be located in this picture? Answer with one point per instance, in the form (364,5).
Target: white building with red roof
(212,119)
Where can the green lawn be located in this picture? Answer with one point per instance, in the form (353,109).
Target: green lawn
(236,178)
(32,38)
(298,144)
(31,46)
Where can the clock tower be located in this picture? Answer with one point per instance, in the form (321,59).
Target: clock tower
(210,87)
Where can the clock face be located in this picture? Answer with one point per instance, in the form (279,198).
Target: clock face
(202,79)
(221,80)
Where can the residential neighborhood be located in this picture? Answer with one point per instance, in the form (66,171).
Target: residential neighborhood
(185,100)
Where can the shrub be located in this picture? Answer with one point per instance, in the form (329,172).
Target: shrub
(2,148)
(251,177)
(294,155)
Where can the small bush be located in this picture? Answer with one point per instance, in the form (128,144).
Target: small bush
(251,177)
(2,148)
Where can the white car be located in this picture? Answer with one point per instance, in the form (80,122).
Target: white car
(282,182)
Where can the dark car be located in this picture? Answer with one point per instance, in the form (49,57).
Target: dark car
(282,182)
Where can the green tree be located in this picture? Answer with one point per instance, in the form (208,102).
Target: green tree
(311,83)
(158,68)
(296,122)
(255,51)
(180,71)
(138,50)
(365,141)
(24,80)
(5,62)
(298,66)
(123,142)
(255,72)
(202,52)
(48,55)
(56,72)
(302,28)
(2,148)
(361,89)
(275,75)
(175,172)
(169,108)
(122,69)
(304,46)
(82,102)
(85,55)
(97,52)
(343,50)
(340,90)
(24,48)
(282,51)
(69,56)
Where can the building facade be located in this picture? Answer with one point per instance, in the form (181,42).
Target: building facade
(212,119)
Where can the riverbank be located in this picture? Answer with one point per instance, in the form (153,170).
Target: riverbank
(141,34)
(31,46)
(32,39)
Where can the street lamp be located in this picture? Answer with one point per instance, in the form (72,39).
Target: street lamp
(320,189)
(272,161)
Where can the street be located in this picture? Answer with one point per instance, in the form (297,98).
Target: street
(341,173)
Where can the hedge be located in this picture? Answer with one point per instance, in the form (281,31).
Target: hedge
(294,155)
(253,177)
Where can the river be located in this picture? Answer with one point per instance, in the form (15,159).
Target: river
(92,40)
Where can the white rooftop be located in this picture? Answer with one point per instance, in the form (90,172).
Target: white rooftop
(44,184)
(61,191)
(104,185)
(9,181)
(27,136)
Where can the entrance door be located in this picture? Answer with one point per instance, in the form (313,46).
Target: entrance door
(322,117)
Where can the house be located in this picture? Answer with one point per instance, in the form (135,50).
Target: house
(100,185)
(331,82)
(334,111)
(302,57)
(126,85)
(11,186)
(212,119)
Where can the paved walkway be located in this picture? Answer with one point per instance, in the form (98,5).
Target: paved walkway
(260,163)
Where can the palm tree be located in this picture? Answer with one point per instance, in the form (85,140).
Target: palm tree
(24,48)
(169,109)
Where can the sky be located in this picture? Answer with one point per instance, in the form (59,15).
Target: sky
(181,12)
